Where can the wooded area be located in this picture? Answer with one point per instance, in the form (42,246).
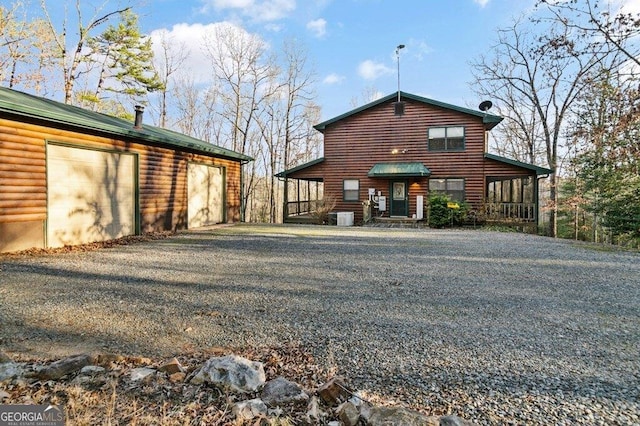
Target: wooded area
(565,77)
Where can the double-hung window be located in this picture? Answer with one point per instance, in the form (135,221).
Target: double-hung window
(454,188)
(446,138)
(351,190)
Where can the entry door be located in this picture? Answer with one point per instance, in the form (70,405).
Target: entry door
(399,199)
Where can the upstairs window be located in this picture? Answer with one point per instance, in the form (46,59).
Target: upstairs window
(350,190)
(454,188)
(446,138)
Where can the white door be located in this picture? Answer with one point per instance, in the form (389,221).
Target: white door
(206,195)
(90,195)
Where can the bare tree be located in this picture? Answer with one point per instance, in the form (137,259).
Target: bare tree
(537,73)
(172,57)
(604,25)
(71,60)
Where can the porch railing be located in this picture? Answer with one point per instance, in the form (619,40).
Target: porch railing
(510,212)
(297,208)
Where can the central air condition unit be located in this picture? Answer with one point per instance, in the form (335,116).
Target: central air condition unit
(345,218)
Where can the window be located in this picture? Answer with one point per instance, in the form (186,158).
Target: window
(446,138)
(454,188)
(351,190)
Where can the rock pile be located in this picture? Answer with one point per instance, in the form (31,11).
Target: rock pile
(240,382)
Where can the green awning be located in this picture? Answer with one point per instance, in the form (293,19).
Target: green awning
(399,170)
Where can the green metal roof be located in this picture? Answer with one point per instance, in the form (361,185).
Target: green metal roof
(489,119)
(399,170)
(292,170)
(50,112)
(539,170)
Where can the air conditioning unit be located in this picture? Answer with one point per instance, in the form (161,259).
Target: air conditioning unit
(345,218)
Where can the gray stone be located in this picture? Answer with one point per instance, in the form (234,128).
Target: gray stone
(90,370)
(141,373)
(348,414)
(454,421)
(62,367)
(396,416)
(10,370)
(282,391)
(231,372)
(247,410)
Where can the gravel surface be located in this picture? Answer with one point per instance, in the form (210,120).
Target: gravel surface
(498,328)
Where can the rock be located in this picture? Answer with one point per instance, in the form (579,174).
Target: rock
(348,414)
(91,370)
(172,367)
(141,373)
(10,370)
(334,392)
(231,372)
(454,421)
(247,410)
(334,423)
(4,396)
(177,377)
(62,367)
(384,416)
(281,391)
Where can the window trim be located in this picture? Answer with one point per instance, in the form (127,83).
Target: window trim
(446,190)
(344,191)
(446,139)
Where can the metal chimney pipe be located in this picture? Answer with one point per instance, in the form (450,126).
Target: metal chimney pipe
(138,121)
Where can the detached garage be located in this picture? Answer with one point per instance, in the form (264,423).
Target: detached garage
(70,176)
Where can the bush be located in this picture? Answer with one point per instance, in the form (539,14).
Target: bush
(323,208)
(440,215)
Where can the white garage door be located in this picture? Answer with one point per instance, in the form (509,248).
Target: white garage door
(206,195)
(90,195)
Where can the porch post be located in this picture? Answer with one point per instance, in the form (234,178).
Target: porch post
(285,207)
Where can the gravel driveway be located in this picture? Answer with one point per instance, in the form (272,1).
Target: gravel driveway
(494,327)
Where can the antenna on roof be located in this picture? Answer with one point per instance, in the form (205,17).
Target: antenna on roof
(399,106)
(485,106)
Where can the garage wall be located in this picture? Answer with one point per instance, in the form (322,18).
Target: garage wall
(162,182)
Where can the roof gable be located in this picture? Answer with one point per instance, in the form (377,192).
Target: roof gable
(489,119)
(51,112)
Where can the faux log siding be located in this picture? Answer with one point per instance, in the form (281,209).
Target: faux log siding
(353,145)
(162,176)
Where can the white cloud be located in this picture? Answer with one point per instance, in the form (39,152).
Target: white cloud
(318,27)
(191,40)
(257,10)
(481,3)
(370,70)
(333,78)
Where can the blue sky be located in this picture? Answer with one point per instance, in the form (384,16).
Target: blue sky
(351,43)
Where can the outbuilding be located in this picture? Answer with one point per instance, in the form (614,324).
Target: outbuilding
(71,176)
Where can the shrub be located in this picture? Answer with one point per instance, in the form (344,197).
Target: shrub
(323,208)
(440,215)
